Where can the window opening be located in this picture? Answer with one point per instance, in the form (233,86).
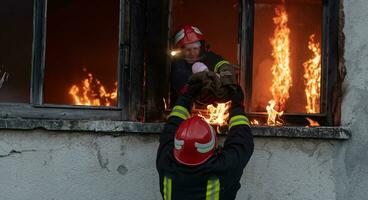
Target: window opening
(288,54)
(15,50)
(82,49)
(219,22)
(286,58)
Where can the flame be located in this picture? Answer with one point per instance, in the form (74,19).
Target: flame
(218,115)
(312,76)
(92,93)
(254,122)
(281,67)
(312,122)
(273,115)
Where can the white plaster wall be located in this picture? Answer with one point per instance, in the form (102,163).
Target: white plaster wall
(55,166)
(290,169)
(352,183)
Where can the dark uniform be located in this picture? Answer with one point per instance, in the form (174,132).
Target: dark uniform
(181,71)
(218,178)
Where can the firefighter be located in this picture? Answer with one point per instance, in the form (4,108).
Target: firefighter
(195,57)
(190,163)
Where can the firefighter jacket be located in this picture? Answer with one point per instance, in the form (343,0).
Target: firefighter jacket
(218,178)
(181,71)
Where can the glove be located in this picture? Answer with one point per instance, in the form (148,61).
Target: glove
(194,86)
(189,92)
(227,74)
(237,98)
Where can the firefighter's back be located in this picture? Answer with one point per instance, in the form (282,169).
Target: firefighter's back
(207,181)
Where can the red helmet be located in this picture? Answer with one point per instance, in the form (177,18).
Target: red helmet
(195,141)
(186,35)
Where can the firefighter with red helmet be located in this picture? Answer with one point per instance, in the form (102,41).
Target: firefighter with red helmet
(190,163)
(193,58)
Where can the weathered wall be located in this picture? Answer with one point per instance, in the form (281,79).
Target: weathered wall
(291,169)
(49,166)
(55,165)
(352,181)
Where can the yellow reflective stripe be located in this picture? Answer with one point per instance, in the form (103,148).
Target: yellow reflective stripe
(217,189)
(180,111)
(209,189)
(167,188)
(165,191)
(238,120)
(238,117)
(213,189)
(238,123)
(218,65)
(178,114)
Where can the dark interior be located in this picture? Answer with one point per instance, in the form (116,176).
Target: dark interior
(82,37)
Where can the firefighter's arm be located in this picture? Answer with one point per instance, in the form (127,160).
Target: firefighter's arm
(223,68)
(178,75)
(238,146)
(180,112)
(214,61)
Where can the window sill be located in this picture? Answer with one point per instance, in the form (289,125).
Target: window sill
(118,127)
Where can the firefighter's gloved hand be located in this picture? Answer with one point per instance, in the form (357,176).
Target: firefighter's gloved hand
(194,89)
(188,93)
(227,75)
(237,98)
(194,86)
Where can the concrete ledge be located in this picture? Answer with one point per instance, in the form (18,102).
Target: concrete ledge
(82,125)
(322,132)
(118,127)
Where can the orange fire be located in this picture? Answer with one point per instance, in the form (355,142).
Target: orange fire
(217,115)
(273,115)
(281,72)
(254,122)
(92,93)
(312,76)
(312,122)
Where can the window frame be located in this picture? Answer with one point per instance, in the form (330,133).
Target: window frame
(329,62)
(139,22)
(36,107)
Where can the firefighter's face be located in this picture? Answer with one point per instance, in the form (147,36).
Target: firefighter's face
(191,52)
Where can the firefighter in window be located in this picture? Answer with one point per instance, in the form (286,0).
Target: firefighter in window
(193,57)
(190,163)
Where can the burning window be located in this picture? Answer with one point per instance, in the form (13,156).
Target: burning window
(287,64)
(219,22)
(82,49)
(287,53)
(15,50)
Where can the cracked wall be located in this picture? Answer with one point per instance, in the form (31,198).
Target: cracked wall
(54,165)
